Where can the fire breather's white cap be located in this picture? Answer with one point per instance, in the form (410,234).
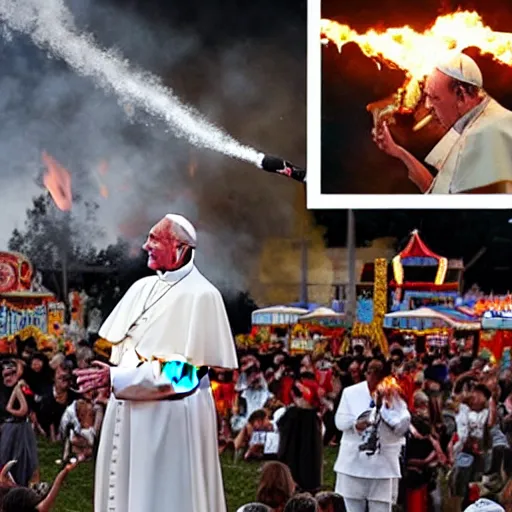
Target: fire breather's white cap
(184,223)
(462,68)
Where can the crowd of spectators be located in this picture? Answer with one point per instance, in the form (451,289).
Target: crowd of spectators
(281,409)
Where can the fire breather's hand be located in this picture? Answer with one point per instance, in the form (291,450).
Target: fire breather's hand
(384,140)
(89,379)
(362,425)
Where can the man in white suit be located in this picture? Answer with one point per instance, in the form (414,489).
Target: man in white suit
(363,477)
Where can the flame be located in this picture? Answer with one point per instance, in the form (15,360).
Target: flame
(417,53)
(57,181)
(388,386)
(192,167)
(104,191)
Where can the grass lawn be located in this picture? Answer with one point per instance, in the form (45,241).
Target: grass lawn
(240,480)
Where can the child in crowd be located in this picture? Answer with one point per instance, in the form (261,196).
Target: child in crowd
(23,499)
(251,438)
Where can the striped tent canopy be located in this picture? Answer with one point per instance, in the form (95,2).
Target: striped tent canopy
(429,318)
(277,315)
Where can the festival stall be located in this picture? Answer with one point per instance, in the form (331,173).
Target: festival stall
(423,289)
(435,327)
(325,327)
(496,333)
(269,325)
(422,278)
(26,308)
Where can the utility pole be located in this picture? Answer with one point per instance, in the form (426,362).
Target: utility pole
(65,243)
(304,296)
(350,311)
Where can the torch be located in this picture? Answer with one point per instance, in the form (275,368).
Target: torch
(279,166)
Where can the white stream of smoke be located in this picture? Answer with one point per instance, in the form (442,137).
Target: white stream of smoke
(50,25)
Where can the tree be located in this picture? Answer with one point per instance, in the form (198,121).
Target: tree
(66,248)
(52,237)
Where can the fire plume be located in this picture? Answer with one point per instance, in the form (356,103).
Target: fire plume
(388,386)
(57,181)
(417,53)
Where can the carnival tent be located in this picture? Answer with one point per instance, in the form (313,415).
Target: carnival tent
(319,313)
(428,318)
(277,315)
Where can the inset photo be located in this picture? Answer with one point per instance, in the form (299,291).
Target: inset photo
(414,101)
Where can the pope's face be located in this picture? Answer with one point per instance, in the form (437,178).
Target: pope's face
(440,98)
(165,250)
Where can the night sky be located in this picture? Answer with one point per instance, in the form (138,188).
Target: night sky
(350,161)
(455,234)
(222,23)
(449,233)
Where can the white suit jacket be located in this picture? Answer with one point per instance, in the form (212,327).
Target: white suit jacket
(395,423)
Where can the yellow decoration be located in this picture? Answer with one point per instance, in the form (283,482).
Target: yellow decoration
(56,318)
(299,329)
(426,332)
(103,348)
(374,330)
(30,331)
(398,270)
(441,271)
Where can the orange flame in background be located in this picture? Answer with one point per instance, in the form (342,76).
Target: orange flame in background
(102,171)
(418,53)
(192,166)
(57,181)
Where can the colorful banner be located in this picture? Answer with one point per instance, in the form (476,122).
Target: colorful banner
(56,317)
(364,304)
(14,319)
(414,299)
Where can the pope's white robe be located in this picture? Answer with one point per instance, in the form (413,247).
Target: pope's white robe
(363,477)
(162,456)
(476,152)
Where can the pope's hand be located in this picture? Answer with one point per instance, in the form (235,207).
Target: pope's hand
(384,140)
(145,394)
(89,379)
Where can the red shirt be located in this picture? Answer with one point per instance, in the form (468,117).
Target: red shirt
(285,390)
(313,397)
(324,379)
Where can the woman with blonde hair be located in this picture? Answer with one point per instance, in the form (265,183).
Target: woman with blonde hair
(276,486)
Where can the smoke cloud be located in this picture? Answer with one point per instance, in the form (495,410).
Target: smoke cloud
(254,89)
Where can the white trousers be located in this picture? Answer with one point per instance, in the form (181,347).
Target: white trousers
(360,506)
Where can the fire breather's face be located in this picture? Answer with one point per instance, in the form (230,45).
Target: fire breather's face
(166,246)
(441,99)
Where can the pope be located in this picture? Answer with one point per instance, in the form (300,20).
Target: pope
(158,445)
(475,154)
